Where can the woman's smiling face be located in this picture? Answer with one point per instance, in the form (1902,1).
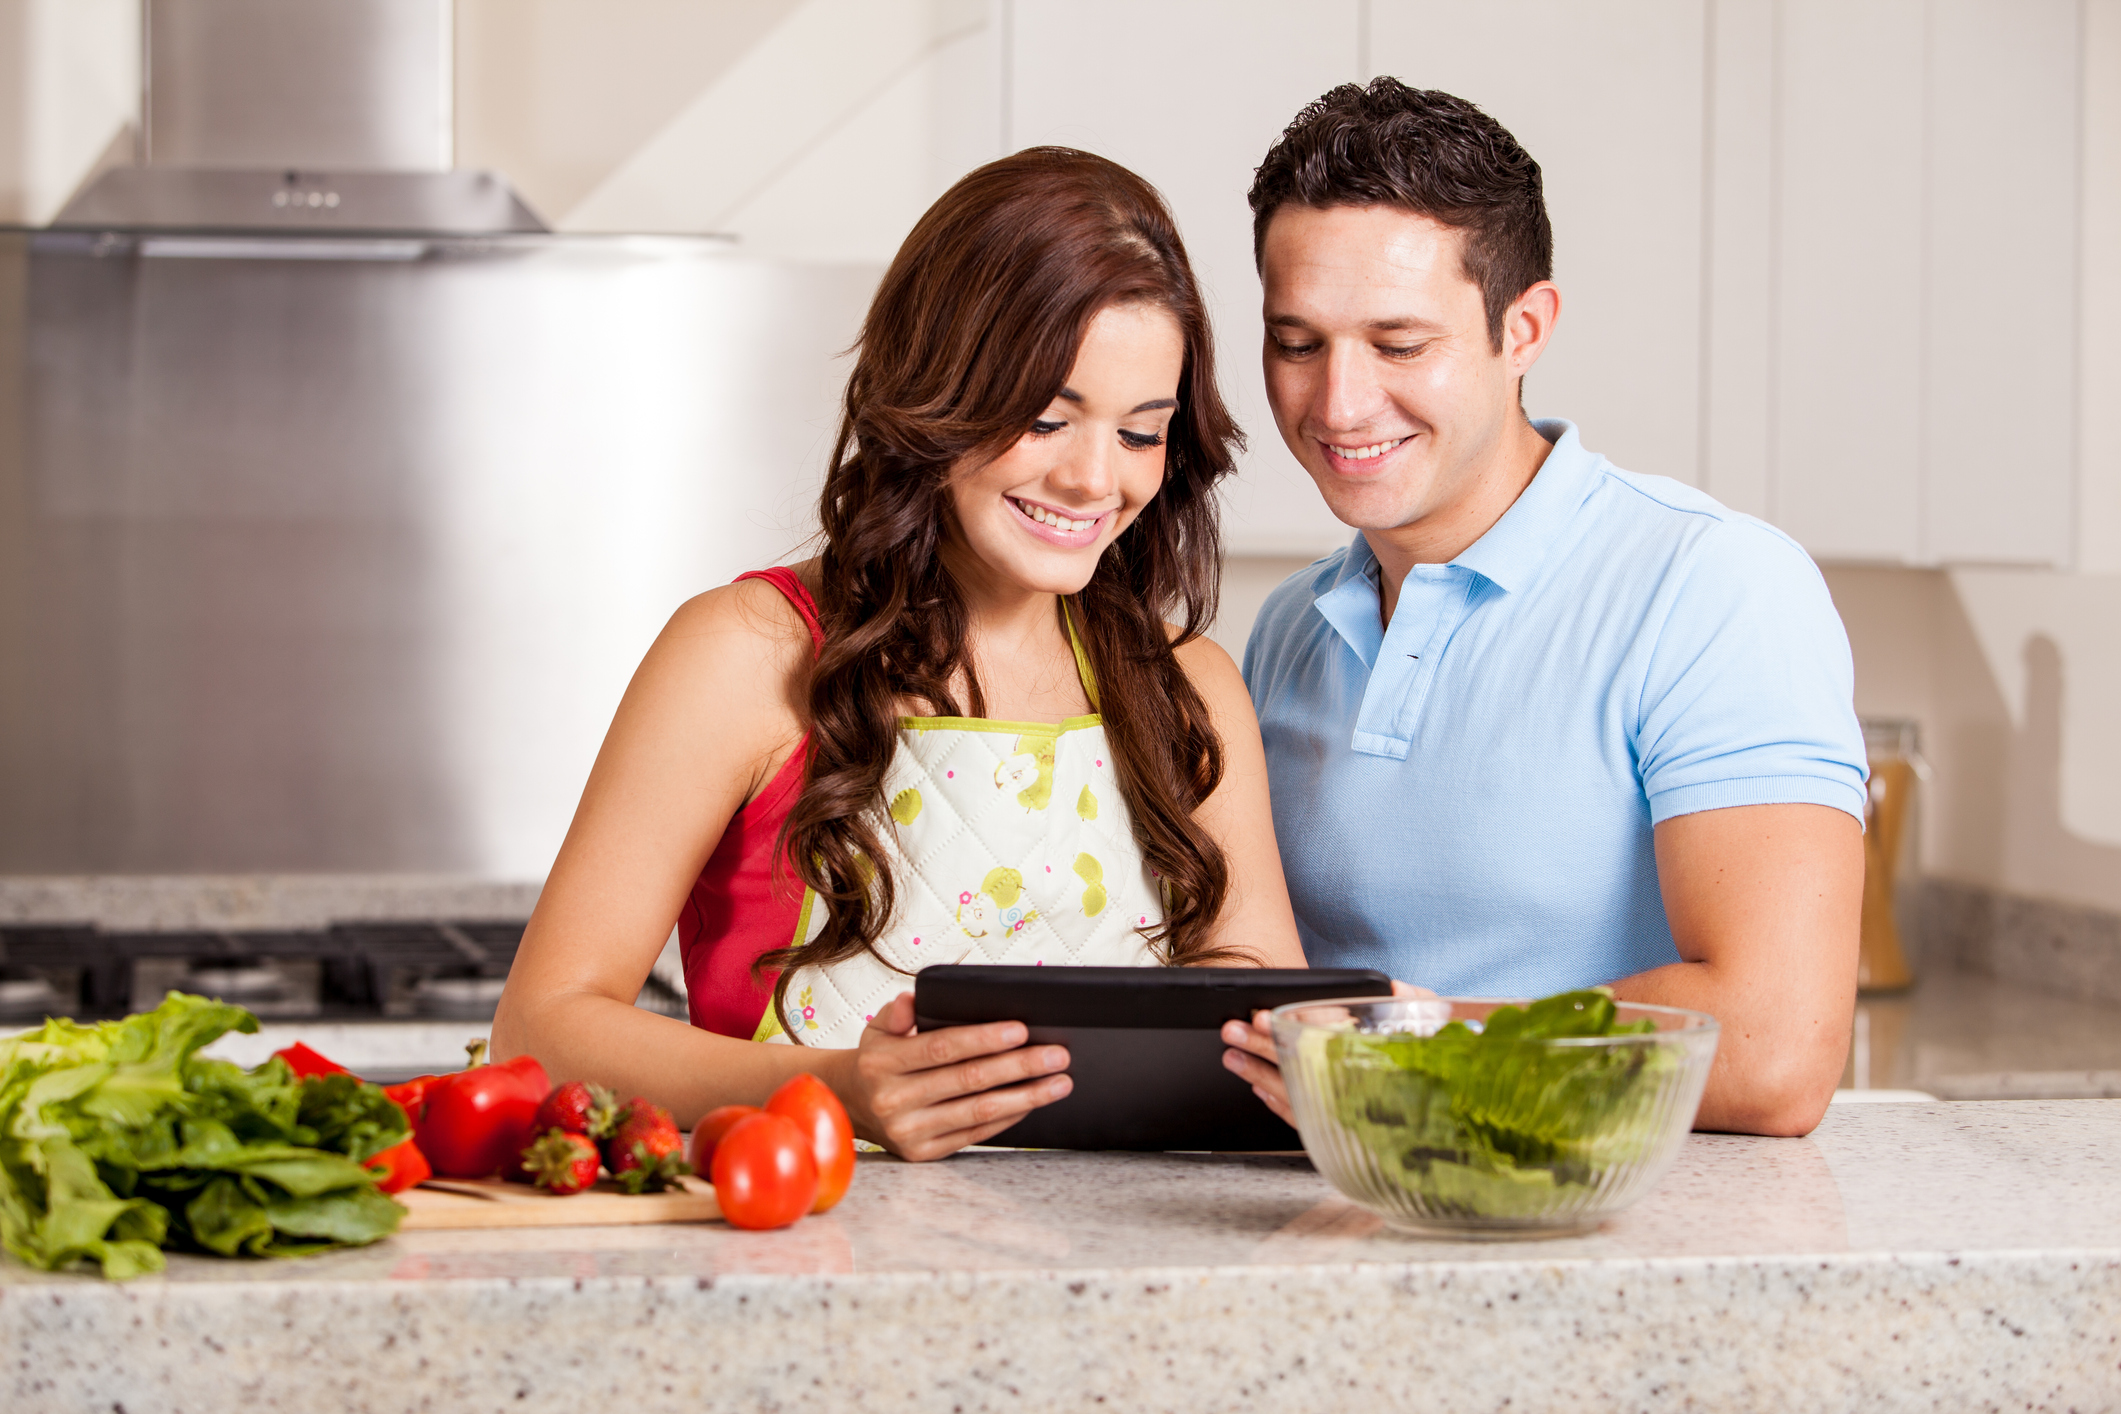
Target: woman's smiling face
(1038,516)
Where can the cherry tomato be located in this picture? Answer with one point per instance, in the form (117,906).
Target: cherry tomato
(476,1120)
(818,1112)
(699,1152)
(763,1173)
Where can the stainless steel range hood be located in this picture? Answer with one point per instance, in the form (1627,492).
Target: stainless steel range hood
(333,547)
(297,118)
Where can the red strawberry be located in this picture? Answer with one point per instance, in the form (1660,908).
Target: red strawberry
(645,1150)
(561,1163)
(577,1108)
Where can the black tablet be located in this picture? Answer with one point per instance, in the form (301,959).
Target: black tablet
(1144,1046)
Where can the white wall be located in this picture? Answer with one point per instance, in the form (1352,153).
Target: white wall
(69,91)
(820,129)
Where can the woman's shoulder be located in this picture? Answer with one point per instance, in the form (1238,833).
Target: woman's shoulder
(748,638)
(754,617)
(1213,672)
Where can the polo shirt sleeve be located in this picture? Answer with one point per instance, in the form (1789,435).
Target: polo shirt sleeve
(1748,693)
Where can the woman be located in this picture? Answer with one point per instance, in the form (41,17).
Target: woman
(965,731)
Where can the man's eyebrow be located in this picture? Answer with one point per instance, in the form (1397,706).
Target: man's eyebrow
(1151,406)
(1403,322)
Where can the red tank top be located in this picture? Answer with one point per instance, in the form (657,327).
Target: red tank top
(739,909)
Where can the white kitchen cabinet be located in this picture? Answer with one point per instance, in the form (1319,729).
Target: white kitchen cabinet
(1890,335)
(1845,437)
(1608,98)
(2000,333)
(1190,94)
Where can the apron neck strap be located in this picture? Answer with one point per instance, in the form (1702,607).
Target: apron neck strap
(1082,657)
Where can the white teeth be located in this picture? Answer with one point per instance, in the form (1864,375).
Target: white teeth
(1046,517)
(1363,454)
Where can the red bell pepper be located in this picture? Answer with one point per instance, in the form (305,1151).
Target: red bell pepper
(400,1167)
(478,1121)
(306,1063)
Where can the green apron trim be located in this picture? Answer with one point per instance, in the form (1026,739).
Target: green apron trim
(1082,657)
(995,724)
(770,1024)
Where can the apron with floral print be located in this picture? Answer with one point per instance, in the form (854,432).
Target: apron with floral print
(1010,844)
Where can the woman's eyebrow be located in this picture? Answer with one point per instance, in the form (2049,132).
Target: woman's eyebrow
(1151,406)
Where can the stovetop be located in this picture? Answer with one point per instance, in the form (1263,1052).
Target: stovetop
(437,969)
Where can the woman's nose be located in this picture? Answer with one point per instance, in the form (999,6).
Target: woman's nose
(1089,472)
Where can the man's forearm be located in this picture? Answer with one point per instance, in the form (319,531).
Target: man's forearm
(1765,903)
(1776,1064)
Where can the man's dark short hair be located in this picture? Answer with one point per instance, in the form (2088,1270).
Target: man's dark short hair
(1425,152)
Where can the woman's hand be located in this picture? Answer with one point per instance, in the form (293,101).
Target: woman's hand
(1251,1054)
(923,1096)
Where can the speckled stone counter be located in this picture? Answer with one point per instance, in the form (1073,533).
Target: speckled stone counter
(1950,1256)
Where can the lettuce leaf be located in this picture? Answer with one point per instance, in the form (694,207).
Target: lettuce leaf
(1491,1123)
(117,1140)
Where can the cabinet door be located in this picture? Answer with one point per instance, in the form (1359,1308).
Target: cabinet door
(1847,365)
(2000,342)
(1190,94)
(1924,209)
(1608,98)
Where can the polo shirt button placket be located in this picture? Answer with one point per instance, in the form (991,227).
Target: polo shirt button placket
(1432,603)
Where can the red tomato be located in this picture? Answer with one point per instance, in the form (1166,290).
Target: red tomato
(699,1152)
(818,1112)
(763,1173)
(476,1120)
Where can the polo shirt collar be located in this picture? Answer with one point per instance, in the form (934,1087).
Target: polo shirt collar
(1509,555)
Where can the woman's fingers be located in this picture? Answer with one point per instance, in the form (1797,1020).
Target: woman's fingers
(1408,989)
(986,1071)
(932,1131)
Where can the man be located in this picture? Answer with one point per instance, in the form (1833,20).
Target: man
(1544,723)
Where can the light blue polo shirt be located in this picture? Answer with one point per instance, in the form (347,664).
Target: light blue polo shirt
(1465,798)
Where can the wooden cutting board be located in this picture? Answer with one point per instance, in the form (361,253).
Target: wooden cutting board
(488,1202)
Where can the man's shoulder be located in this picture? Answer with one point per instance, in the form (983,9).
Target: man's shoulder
(1697,530)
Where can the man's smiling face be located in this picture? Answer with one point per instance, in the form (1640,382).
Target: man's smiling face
(1379,366)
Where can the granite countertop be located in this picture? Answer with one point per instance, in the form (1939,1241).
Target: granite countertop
(1913,1256)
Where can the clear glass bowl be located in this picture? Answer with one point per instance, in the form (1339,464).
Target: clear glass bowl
(1467,1135)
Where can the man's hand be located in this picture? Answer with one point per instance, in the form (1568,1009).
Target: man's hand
(1251,1059)
(1765,903)
(1251,1054)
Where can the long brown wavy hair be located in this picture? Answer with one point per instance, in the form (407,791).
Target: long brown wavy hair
(972,334)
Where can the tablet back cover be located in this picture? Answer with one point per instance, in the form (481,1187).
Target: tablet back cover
(1144,1045)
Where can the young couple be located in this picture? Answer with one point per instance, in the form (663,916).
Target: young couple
(1542,724)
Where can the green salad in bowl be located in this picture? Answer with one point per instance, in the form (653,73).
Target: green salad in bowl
(1484,1117)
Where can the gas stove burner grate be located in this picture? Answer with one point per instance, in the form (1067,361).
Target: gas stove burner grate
(350,970)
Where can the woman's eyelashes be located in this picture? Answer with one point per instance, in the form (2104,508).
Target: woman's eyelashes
(1132,441)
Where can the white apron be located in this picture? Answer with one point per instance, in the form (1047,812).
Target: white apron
(1010,844)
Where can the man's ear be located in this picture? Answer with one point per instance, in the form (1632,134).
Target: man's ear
(1528,324)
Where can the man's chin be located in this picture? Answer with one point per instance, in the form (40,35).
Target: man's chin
(1369,507)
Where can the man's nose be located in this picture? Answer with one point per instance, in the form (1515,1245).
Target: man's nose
(1347,394)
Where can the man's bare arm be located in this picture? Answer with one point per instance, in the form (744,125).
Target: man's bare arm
(1765,903)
